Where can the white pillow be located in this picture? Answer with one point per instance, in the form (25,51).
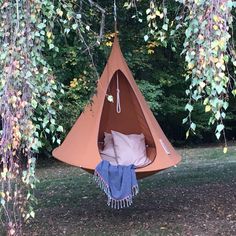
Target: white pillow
(130,149)
(108,146)
(110,159)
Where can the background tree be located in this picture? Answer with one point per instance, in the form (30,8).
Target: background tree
(157,64)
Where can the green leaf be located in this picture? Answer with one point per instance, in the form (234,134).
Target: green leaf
(218,134)
(225,105)
(47,131)
(223,115)
(66,30)
(32,214)
(34,103)
(51,46)
(28,74)
(78,16)
(3,202)
(189,107)
(193,126)
(165,27)
(148,11)
(60,128)
(188,32)
(231,4)
(41,26)
(217,115)
(53,121)
(75,26)
(146,38)
(184,120)
(220,127)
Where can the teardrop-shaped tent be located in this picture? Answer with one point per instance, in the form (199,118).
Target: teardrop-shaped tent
(81,146)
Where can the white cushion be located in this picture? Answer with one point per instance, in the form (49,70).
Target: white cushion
(108,150)
(130,149)
(110,159)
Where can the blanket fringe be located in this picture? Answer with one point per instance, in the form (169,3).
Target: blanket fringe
(114,203)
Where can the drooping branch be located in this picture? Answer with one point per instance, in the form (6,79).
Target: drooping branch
(208,48)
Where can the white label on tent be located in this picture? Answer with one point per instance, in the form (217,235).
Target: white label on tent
(164,147)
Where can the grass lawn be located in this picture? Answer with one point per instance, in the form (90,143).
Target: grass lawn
(196,198)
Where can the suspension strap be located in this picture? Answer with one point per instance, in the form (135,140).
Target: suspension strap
(115,16)
(118,106)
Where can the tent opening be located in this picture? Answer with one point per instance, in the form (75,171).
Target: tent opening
(130,119)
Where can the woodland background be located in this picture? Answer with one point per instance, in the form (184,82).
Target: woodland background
(159,71)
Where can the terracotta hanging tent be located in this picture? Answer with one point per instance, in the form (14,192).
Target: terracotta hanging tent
(81,146)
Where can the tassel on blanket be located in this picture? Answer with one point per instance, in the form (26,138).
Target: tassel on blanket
(118,182)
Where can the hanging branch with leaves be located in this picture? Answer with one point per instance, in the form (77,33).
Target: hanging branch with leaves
(28,92)
(25,77)
(209,53)
(208,49)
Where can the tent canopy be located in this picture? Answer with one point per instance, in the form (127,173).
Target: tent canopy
(81,146)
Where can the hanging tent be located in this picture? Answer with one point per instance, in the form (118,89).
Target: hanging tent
(81,146)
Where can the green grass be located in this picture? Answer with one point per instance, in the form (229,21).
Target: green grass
(195,198)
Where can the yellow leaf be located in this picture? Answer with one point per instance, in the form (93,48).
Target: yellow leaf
(109,44)
(158,13)
(225,150)
(216,18)
(214,59)
(217,79)
(207,108)
(150,51)
(221,43)
(187,134)
(2,194)
(205,101)
(161,15)
(215,27)
(59,12)
(49,34)
(190,65)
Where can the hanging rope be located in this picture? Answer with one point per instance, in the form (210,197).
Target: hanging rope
(115,16)
(118,106)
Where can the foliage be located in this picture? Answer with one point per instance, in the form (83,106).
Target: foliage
(162,67)
(28,94)
(153,93)
(24,80)
(208,58)
(208,50)
(47,44)
(76,96)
